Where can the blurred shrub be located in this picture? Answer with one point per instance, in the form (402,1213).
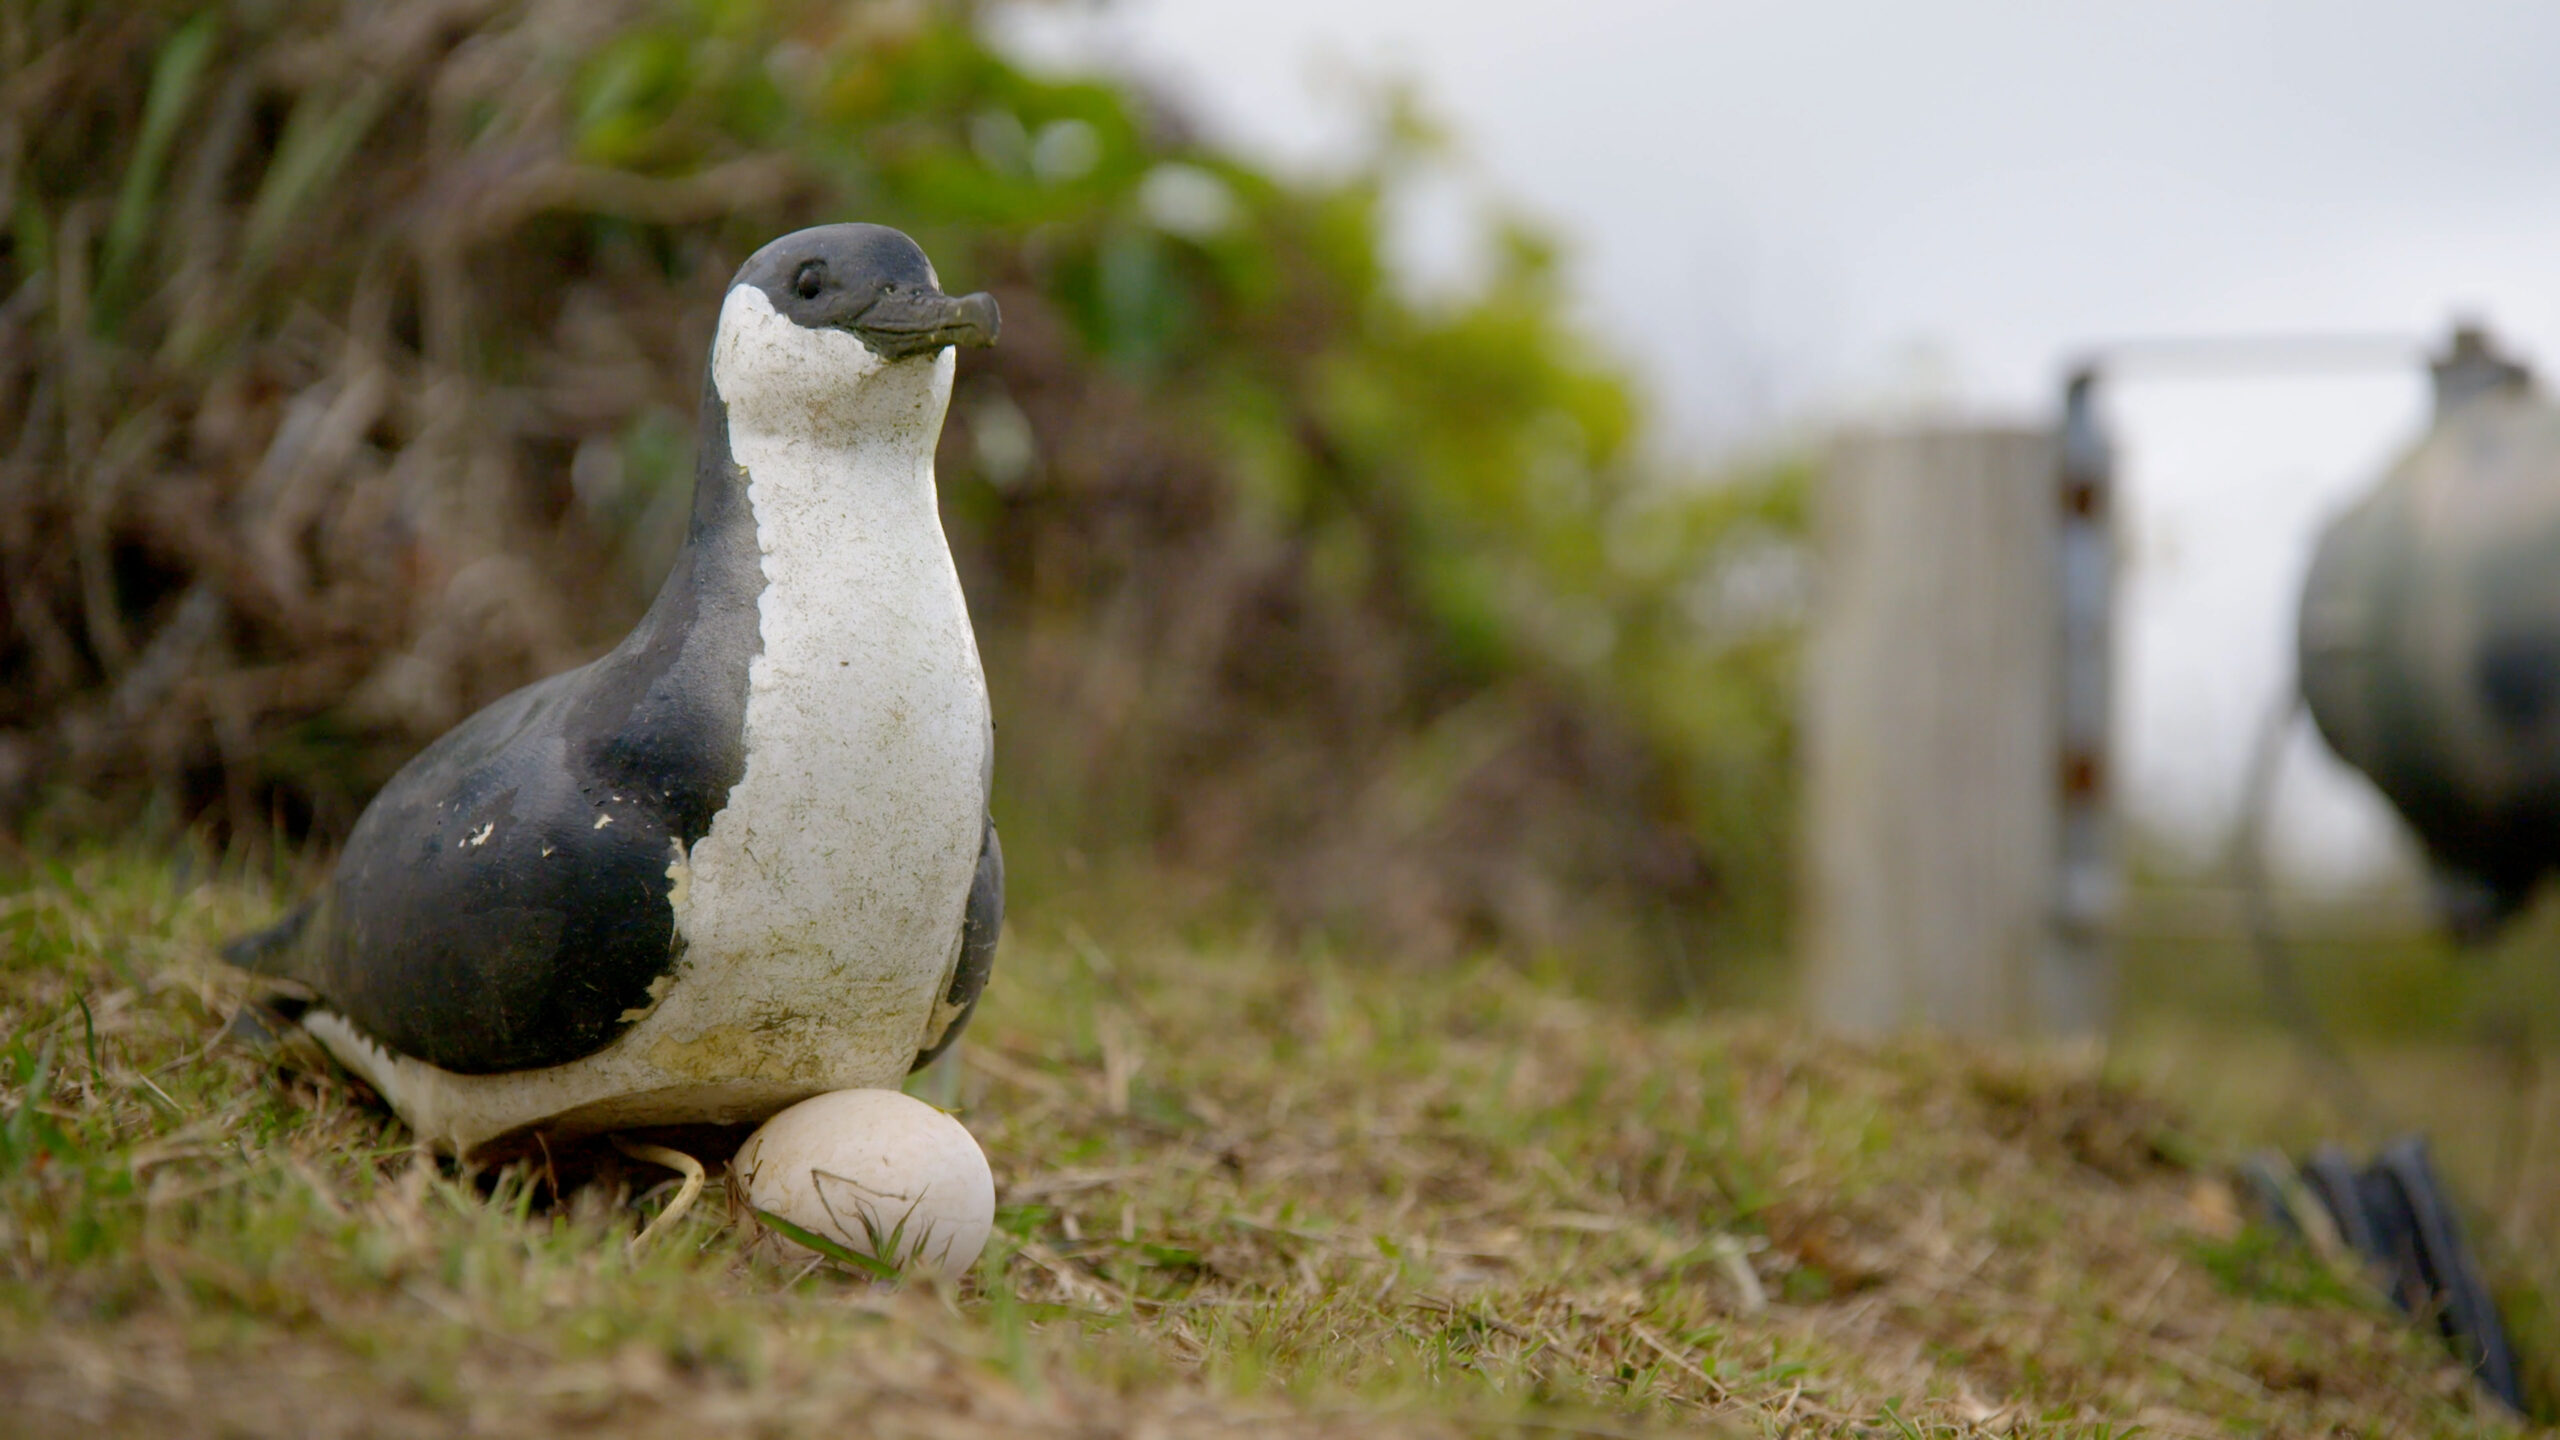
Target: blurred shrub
(348,355)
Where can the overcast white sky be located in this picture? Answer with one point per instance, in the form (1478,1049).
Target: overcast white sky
(1792,212)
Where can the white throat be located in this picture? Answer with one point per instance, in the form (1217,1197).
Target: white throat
(815,390)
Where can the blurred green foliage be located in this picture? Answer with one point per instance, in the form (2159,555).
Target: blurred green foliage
(1452,495)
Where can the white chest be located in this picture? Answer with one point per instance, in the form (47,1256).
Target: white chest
(826,901)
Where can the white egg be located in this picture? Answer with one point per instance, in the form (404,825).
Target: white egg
(879,1173)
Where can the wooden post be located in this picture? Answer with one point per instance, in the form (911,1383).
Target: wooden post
(1939,787)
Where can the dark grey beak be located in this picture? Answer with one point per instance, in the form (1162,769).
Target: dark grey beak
(919,322)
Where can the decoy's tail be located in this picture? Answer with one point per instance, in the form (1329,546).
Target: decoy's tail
(275,950)
(267,1024)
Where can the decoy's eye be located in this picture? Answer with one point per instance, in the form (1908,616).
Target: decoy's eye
(811,279)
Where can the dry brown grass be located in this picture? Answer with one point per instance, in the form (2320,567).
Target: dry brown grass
(1243,1191)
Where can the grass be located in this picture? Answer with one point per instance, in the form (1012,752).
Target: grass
(1242,1190)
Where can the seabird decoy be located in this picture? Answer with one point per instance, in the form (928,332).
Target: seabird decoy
(745,857)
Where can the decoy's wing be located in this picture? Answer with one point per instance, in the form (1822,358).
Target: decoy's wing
(981,922)
(500,905)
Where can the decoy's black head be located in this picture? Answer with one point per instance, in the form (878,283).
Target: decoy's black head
(869,281)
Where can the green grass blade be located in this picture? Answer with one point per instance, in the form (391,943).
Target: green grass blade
(318,138)
(175,76)
(871,1265)
(89,1030)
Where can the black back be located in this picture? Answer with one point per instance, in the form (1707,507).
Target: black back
(480,918)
